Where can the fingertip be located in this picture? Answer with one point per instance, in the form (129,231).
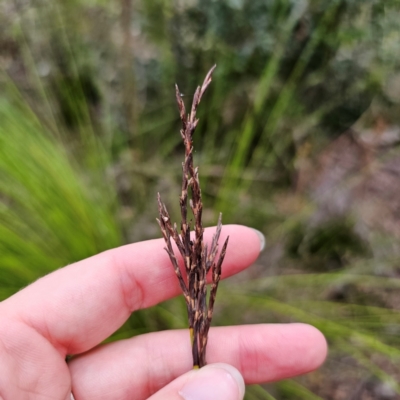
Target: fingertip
(214,381)
(319,349)
(244,247)
(292,349)
(261,238)
(230,373)
(313,345)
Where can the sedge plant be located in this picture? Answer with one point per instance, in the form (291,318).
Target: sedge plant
(198,257)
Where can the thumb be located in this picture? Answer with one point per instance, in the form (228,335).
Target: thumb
(214,381)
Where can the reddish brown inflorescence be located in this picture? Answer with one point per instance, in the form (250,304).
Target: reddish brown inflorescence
(198,257)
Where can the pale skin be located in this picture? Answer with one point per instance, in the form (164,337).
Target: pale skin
(72,310)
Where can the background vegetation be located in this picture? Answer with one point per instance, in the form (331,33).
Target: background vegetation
(298,137)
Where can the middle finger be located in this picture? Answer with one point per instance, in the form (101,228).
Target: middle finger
(138,367)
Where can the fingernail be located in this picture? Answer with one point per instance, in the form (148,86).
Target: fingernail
(216,381)
(261,237)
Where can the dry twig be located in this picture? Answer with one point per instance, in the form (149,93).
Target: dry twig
(197,257)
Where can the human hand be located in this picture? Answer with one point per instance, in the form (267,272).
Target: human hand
(73,309)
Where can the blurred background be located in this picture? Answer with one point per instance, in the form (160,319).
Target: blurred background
(299,137)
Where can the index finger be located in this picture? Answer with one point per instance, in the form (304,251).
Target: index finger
(78,306)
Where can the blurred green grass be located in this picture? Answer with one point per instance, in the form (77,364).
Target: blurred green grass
(89,134)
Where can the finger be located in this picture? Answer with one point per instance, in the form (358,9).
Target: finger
(80,305)
(29,366)
(214,381)
(138,367)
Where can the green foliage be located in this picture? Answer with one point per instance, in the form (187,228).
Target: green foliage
(291,389)
(52,212)
(327,245)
